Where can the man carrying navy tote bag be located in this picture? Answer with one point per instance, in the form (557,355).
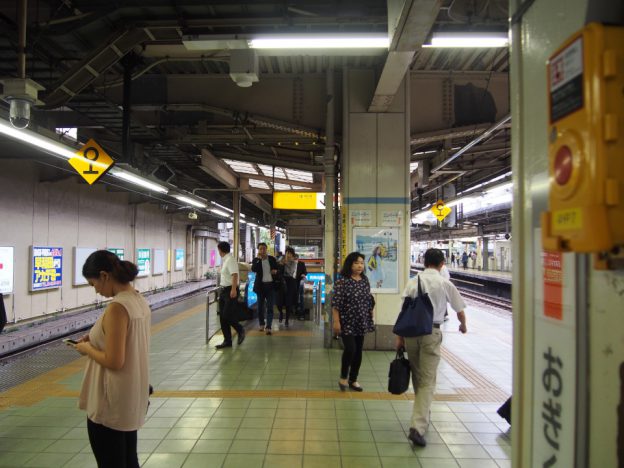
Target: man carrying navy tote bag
(429,291)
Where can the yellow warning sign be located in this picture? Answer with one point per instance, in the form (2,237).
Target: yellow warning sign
(440,210)
(91,162)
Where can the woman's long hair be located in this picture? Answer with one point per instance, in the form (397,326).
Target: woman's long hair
(348,264)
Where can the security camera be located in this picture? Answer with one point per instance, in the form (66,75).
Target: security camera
(21,94)
(192,215)
(19,112)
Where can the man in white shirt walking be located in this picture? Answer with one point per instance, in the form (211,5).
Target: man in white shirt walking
(228,297)
(424,351)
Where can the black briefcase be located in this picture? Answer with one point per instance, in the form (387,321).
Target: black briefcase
(399,374)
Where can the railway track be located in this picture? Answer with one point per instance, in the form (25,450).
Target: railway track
(486,298)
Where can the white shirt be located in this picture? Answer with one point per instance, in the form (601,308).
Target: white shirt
(445,273)
(266,271)
(440,292)
(229,267)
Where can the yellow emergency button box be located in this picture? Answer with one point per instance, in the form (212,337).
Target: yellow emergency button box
(586,143)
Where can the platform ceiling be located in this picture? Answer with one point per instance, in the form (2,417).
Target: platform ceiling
(186,109)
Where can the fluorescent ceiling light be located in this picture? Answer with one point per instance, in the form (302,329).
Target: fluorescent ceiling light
(32,138)
(469,39)
(220,213)
(190,201)
(321,42)
(137,180)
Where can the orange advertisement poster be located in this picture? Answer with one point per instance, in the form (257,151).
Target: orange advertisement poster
(553,284)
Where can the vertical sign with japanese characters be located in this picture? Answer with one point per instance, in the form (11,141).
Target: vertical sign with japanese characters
(46,267)
(554,358)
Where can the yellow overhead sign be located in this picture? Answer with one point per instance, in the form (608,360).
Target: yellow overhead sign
(440,210)
(299,200)
(91,162)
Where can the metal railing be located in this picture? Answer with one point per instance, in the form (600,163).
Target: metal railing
(212,302)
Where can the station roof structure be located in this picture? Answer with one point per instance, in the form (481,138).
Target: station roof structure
(191,125)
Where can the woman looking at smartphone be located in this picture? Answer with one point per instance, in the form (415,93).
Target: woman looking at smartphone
(352,313)
(115,385)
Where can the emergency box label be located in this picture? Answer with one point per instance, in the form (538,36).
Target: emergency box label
(566,81)
(570,219)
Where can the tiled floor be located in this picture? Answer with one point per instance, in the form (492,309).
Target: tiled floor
(272,402)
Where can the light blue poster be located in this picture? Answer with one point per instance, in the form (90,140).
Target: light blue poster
(47,268)
(144,261)
(380,247)
(252,297)
(179,259)
(319,281)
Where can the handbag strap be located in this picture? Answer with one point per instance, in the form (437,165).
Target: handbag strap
(399,353)
(420,293)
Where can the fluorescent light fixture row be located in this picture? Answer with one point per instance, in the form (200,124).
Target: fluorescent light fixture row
(137,180)
(363,41)
(191,201)
(469,40)
(220,213)
(32,138)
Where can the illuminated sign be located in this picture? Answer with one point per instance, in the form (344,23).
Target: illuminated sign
(144,261)
(47,268)
(299,200)
(118,252)
(6,270)
(319,281)
(179,259)
(91,162)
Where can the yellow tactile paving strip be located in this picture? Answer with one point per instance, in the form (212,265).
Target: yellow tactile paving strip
(48,384)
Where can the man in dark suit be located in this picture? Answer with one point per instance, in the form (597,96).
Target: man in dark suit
(265,268)
(293,272)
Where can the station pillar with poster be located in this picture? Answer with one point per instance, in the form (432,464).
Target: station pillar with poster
(375,194)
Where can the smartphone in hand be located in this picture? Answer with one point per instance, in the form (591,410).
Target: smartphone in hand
(69,342)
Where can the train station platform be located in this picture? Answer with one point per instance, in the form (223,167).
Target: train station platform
(274,402)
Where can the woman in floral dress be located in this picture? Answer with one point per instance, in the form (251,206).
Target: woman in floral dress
(352,311)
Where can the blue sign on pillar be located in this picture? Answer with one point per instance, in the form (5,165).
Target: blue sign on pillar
(319,281)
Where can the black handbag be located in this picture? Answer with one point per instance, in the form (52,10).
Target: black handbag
(399,374)
(416,317)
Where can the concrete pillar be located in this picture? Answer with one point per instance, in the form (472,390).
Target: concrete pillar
(485,255)
(376,191)
(567,315)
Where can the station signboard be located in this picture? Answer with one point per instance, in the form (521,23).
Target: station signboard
(144,261)
(91,162)
(299,200)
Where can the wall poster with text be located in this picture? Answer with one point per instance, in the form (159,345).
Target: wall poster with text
(144,261)
(380,246)
(46,268)
(6,270)
(179,259)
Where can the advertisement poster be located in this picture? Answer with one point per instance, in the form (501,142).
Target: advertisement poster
(80,257)
(380,247)
(213,258)
(319,282)
(144,261)
(6,270)
(118,252)
(179,259)
(47,268)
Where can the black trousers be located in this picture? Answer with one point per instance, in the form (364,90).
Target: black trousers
(228,314)
(351,357)
(292,291)
(112,448)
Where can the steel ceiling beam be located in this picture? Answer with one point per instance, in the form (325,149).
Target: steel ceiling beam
(409,23)
(216,168)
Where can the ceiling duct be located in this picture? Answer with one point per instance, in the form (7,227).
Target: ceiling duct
(244,67)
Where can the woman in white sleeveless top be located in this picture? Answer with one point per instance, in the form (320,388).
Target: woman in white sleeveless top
(116,382)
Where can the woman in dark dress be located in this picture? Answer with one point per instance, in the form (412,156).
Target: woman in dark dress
(352,311)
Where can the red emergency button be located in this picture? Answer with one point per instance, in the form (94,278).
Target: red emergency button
(563,165)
